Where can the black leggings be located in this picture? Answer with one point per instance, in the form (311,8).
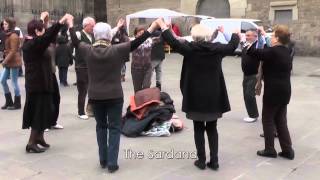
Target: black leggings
(212,133)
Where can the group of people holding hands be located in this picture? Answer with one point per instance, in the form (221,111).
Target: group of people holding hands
(202,84)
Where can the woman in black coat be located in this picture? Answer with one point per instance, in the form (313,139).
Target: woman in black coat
(63,56)
(39,81)
(277,66)
(203,88)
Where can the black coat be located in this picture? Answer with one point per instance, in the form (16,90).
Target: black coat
(63,55)
(157,51)
(37,61)
(202,82)
(277,66)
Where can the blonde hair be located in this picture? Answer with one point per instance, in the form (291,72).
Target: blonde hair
(201,33)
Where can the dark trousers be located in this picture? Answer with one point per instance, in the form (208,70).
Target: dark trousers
(63,75)
(275,116)
(56,100)
(20,71)
(249,95)
(212,133)
(141,78)
(108,117)
(82,86)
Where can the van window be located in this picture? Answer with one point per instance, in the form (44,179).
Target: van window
(246,26)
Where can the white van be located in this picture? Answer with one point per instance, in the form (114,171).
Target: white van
(230,25)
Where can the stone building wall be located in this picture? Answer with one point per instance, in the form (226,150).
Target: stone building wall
(25,10)
(305,29)
(305,26)
(121,8)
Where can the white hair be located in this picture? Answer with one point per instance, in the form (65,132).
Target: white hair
(201,33)
(87,20)
(102,31)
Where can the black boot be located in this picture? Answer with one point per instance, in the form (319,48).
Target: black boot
(8,101)
(16,104)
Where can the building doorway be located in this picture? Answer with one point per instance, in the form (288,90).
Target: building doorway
(215,8)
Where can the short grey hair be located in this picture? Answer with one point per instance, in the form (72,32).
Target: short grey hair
(102,31)
(201,33)
(87,20)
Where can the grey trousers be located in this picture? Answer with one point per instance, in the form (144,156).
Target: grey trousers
(249,95)
(156,66)
(141,78)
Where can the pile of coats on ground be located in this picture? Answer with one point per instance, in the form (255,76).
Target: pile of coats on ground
(150,113)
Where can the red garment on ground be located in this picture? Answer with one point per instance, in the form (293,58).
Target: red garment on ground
(143,100)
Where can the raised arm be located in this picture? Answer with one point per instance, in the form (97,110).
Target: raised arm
(136,42)
(260,54)
(43,42)
(181,48)
(228,49)
(74,39)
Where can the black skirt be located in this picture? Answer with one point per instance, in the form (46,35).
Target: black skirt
(38,111)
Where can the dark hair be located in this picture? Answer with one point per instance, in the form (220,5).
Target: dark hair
(137,29)
(1,26)
(11,22)
(120,37)
(34,25)
(282,33)
(64,30)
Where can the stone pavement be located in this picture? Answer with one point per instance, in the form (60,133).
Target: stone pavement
(73,153)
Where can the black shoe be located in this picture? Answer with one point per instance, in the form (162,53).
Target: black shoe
(288,155)
(201,165)
(103,164)
(113,169)
(275,135)
(213,165)
(33,148)
(16,104)
(9,101)
(43,144)
(264,153)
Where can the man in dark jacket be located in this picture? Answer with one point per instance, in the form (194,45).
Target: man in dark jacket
(81,67)
(250,68)
(157,56)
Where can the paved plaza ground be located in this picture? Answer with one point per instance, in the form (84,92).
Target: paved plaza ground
(73,154)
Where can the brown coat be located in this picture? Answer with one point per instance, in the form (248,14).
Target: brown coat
(12,54)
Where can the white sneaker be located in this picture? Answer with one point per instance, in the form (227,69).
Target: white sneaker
(57,126)
(84,117)
(250,120)
(46,130)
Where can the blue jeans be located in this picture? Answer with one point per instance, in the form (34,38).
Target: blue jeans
(108,129)
(14,72)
